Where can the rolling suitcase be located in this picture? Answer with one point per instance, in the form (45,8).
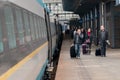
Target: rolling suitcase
(84,49)
(98,52)
(72,52)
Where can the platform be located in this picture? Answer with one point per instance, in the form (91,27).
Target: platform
(88,67)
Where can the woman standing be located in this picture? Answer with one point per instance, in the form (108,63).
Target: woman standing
(89,38)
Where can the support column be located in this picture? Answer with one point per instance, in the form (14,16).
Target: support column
(91,19)
(102,16)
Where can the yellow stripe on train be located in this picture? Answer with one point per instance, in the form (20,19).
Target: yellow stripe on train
(7,74)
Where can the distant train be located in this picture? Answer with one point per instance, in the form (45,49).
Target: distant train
(27,40)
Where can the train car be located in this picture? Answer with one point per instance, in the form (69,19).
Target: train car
(27,42)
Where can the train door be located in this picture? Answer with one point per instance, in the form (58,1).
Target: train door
(47,20)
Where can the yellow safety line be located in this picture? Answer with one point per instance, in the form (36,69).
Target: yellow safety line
(7,74)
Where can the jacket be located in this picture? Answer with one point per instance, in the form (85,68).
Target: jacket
(78,39)
(103,39)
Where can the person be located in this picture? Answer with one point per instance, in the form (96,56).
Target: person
(89,38)
(78,42)
(103,39)
(84,34)
(75,30)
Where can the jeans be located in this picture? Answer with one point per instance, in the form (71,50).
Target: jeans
(77,50)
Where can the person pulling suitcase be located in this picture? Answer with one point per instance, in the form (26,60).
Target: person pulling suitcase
(103,40)
(89,38)
(78,42)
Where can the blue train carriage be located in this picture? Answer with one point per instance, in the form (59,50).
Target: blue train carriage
(25,40)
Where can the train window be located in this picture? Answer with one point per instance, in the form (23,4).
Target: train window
(9,21)
(1,42)
(32,27)
(35,25)
(38,26)
(27,28)
(42,29)
(19,25)
(45,30)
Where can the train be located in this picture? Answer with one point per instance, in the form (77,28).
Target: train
(28,40)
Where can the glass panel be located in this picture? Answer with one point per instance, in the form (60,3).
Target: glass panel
(35,26)
(27,28)
(1,42)
(10,27)
(40,27)
(19,25)
(32,26)
(44,29)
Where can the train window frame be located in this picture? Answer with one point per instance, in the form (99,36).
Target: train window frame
(9,23)
(26,26)
(35,26)
(38,26)
(32,26)
(42,28)
(19,25)
(45,30)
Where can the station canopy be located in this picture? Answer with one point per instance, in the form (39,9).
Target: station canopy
(80,6)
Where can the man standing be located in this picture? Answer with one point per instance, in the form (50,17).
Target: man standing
(103,39)
(78,42)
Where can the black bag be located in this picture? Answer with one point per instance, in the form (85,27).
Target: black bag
(98,52)
(72,51)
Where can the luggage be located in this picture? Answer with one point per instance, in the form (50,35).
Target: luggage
(85,49)
(72,51)
(87,41)
(98,52)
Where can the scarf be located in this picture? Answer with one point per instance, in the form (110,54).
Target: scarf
(88,33)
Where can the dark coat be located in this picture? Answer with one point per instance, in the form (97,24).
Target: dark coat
(103,40)
(78,39)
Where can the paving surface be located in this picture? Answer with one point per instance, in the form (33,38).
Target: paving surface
(88,67)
